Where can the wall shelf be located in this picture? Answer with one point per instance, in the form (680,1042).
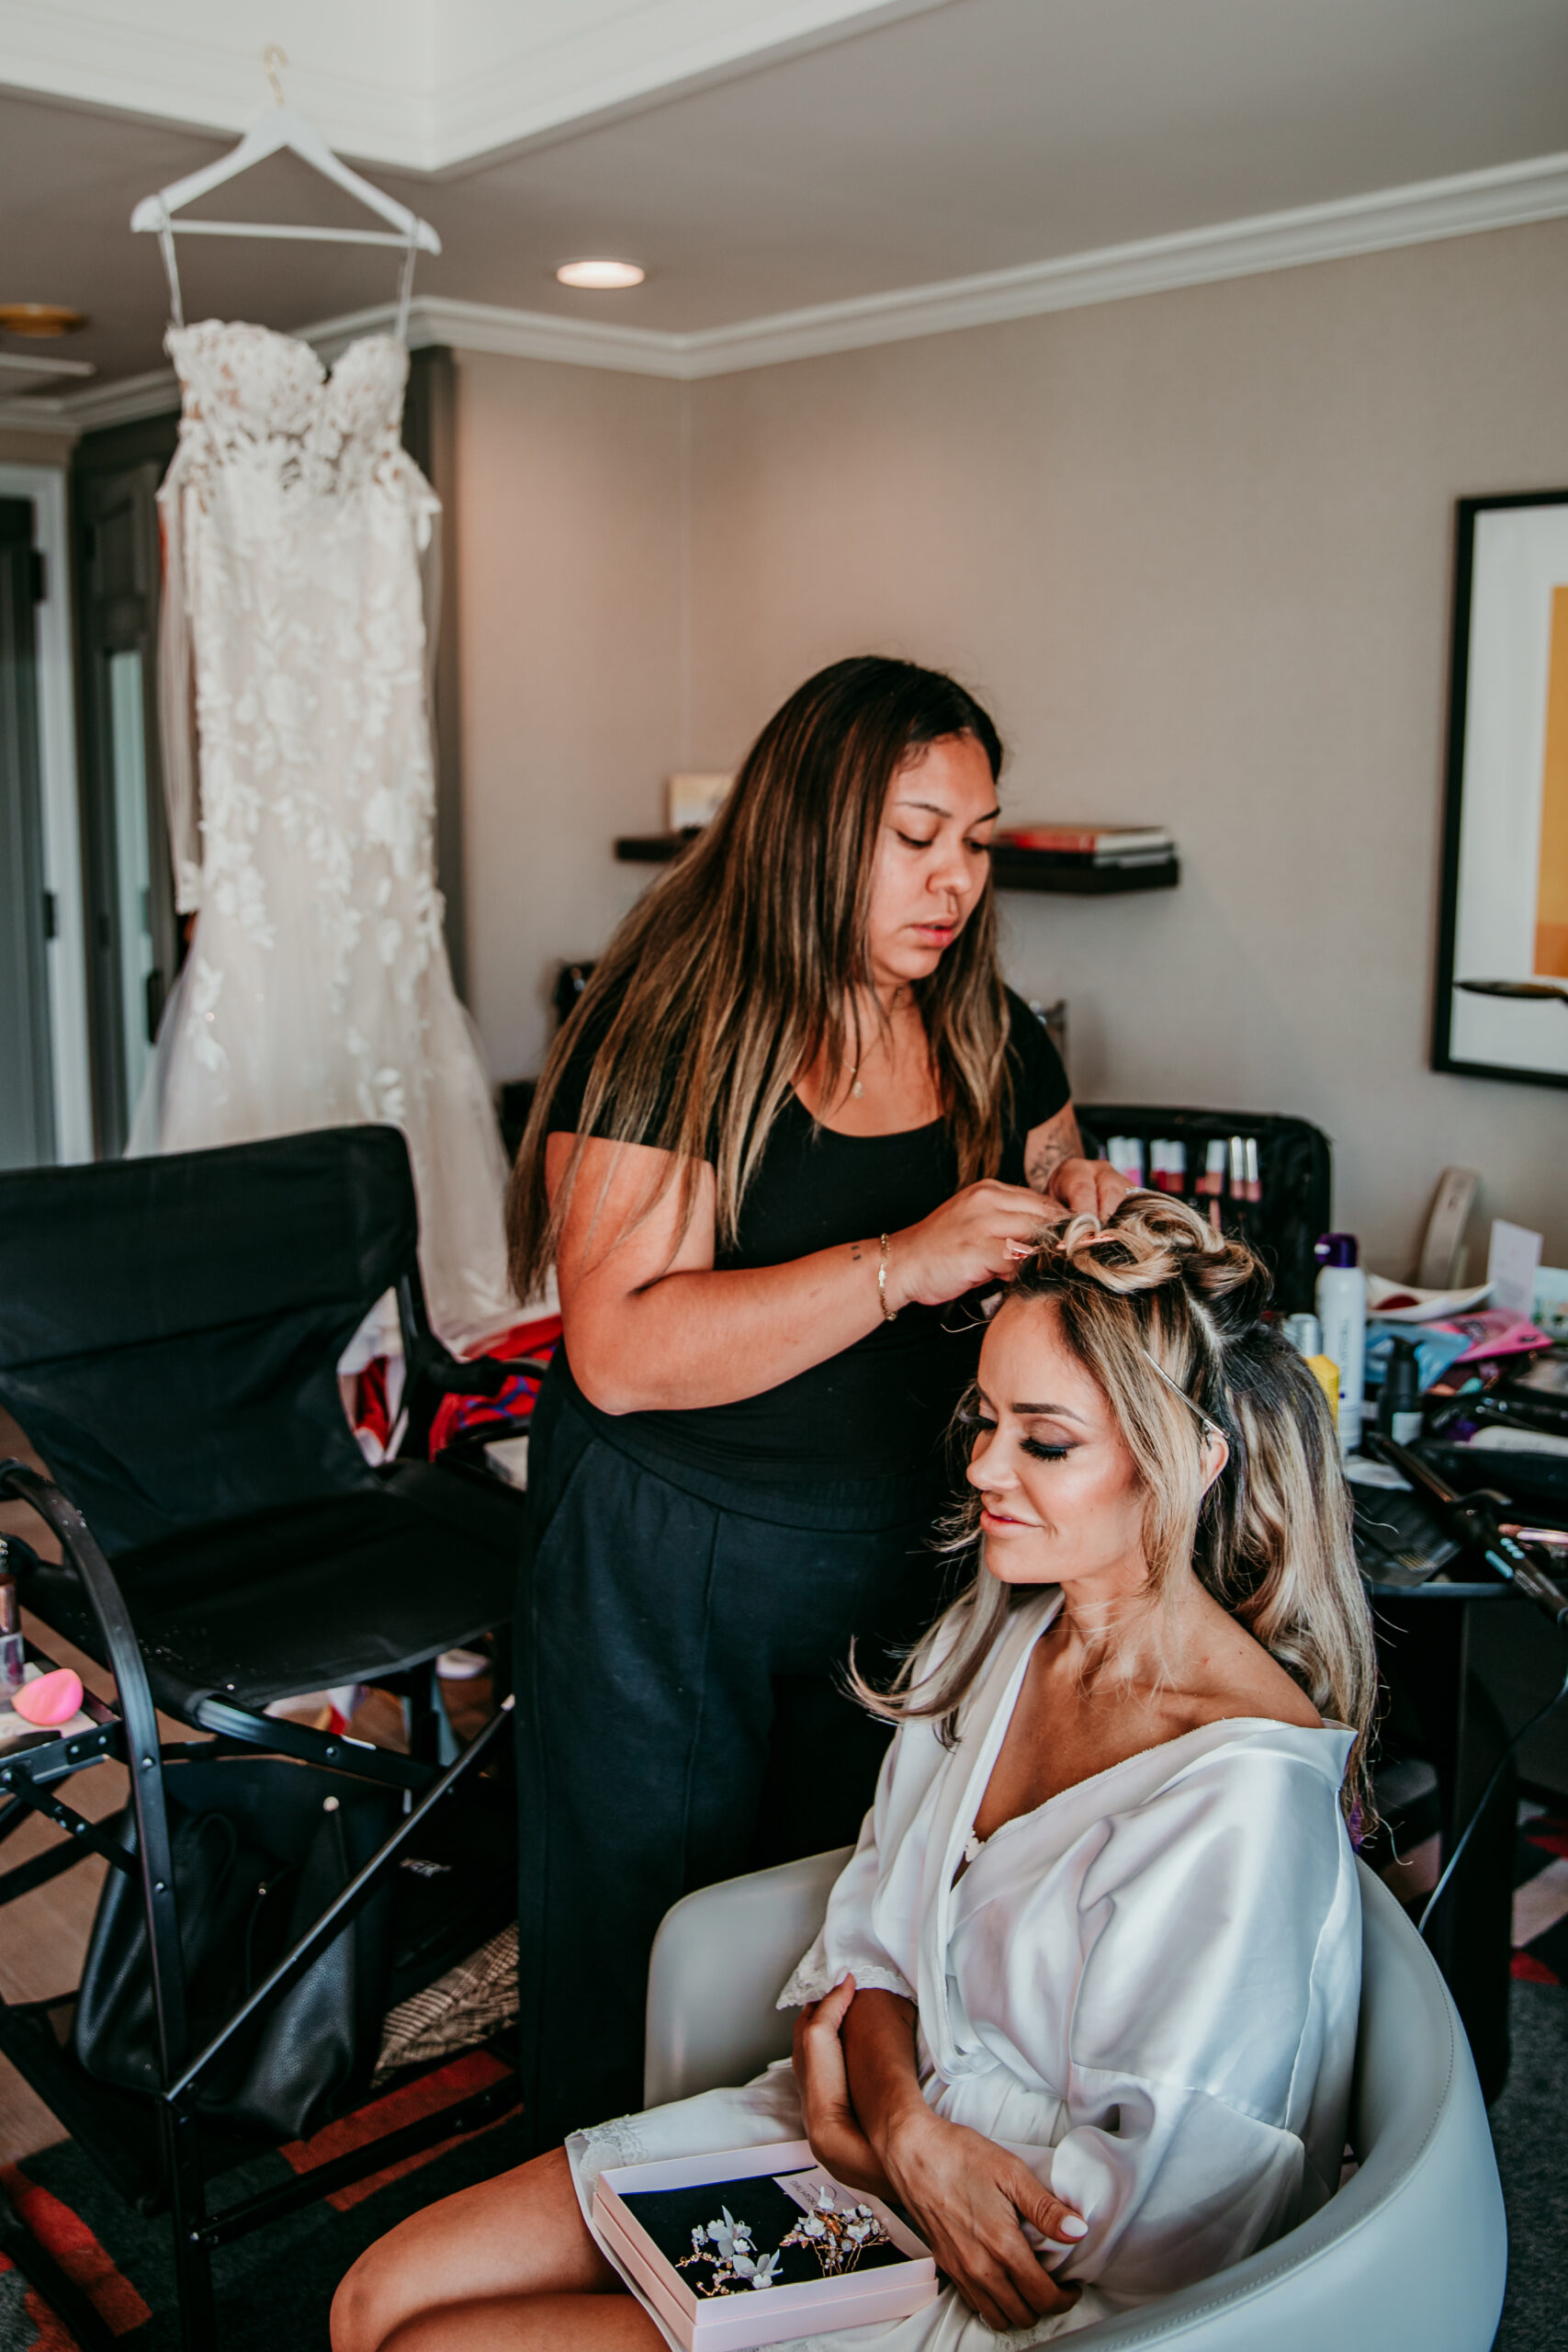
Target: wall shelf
(1032,869)
(1015,869)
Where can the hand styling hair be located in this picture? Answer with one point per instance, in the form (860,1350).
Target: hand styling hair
(1270,1538)
(740,965)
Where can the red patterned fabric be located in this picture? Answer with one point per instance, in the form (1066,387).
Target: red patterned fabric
(514,1401)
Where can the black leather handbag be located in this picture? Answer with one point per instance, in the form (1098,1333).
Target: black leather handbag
(260,1848)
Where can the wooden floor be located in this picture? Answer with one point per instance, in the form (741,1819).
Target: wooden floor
(43,1937)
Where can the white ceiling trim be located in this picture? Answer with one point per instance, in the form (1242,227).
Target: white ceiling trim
(656,50)
(422,85)
(116,403)
(1508,197)
(172,62)
(1511,195)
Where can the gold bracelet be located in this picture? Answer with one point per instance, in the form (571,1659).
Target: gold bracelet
(889,1314)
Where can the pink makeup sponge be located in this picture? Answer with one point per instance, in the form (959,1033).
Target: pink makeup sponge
(52,1699)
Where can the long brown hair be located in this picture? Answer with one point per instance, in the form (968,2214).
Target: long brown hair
(738,967)
(1157,1292)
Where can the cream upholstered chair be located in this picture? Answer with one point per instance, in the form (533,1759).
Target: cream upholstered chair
(1412,2251)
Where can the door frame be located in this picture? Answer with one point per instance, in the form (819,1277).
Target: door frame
(65,962)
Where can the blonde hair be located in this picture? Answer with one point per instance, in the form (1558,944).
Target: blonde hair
(738,966)
(1154,1301)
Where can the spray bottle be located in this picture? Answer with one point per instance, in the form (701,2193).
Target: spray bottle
(1342,1311)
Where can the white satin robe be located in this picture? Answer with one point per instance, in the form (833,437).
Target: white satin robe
(1147,1987)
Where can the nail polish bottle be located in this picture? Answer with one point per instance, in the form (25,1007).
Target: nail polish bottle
(12,1650)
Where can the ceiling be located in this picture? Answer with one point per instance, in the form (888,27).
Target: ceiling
(964,137)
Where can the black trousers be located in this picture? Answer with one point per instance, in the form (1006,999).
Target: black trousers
(678,1716)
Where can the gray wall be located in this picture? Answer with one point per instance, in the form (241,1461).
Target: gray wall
(1194,549)
(571,537)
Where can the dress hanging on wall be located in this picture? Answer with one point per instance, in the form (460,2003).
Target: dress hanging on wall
(317,990)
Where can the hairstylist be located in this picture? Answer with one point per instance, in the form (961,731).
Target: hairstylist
(794,1121)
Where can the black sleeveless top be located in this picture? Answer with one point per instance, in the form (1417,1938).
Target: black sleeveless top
(881,1406)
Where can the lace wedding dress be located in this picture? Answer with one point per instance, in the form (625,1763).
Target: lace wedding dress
(317,990)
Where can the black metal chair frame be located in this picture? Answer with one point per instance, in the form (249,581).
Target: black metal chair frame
(158,2151)
(94,2114)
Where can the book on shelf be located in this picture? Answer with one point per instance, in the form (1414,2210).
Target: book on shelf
(1103,844)
(758,2245)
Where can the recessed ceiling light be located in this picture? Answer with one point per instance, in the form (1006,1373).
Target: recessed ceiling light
(39,319)
(603,274)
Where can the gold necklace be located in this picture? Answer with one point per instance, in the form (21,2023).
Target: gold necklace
(856,1089)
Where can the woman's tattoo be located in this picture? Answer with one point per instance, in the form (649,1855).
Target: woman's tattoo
(1043,1164)
(1058,1140)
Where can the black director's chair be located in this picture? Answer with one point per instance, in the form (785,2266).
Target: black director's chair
(169,1335)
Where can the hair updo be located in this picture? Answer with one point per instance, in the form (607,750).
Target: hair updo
(1157,1292)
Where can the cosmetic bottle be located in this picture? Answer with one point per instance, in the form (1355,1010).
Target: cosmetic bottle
(1252,1178)
(1399,1408)
(1304,1333)
(1126,1154)
(1327,1374)
(1342,1311)
(13,1652)
(1168,1165)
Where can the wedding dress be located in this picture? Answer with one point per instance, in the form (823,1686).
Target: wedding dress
(317,990)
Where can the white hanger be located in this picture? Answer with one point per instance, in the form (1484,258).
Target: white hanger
(283,129)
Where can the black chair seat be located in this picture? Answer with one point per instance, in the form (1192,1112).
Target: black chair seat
(342,1590)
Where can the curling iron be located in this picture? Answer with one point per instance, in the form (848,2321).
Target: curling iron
(1472,1520)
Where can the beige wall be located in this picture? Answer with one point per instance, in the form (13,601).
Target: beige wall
(1196,551)
(570,532)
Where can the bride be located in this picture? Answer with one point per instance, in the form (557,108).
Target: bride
(1085,2000)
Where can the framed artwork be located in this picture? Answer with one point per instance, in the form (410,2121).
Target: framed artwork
(1505,891)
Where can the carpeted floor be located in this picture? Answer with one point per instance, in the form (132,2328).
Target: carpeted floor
(274,2288)
(1532,2156)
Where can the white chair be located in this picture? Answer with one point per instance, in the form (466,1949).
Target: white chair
(1413,2250)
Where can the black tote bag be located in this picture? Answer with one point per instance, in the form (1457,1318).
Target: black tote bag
(260,1848)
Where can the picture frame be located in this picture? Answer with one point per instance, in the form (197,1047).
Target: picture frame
(1503,907)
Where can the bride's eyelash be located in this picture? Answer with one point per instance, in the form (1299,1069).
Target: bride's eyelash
(1034,1447)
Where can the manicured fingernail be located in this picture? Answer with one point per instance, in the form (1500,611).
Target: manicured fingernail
(1072,2225)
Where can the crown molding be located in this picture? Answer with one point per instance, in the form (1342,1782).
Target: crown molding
(1512,195)
(198,64)
(74,412)
(423,86)
(586,75)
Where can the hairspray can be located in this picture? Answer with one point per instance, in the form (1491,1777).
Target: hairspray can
(1342,1311)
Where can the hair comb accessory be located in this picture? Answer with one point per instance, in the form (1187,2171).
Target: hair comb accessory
(1211,1429)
